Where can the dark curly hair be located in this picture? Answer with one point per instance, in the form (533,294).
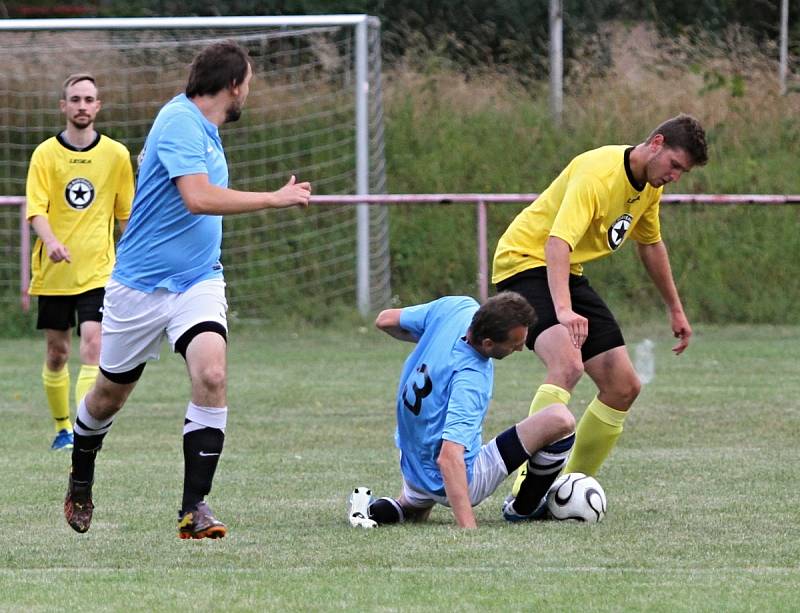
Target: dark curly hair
(499,315)
(684,132)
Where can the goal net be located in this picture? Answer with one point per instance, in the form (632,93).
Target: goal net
(300,118)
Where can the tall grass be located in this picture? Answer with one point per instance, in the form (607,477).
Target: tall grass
(488,134)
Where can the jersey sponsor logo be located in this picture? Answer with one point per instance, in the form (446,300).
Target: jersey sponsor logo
(633,199)
(79,161)
(79,193)
(617,231)
(419,392)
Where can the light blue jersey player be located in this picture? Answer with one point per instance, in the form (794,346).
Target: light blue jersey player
(450,380)
(168,283)
(442,400)
(168,246)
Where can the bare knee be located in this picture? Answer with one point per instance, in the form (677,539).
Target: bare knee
(560,421)
(90,351)
(567,373)
(57,355)
(211,378)
(622,394)
(103,402)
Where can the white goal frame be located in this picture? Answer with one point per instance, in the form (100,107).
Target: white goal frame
(360,23)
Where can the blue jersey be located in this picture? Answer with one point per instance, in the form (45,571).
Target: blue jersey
(164,245)
(444,390)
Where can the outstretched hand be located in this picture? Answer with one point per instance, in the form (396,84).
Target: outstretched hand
(293,194)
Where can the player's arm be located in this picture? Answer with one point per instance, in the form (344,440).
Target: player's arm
(454,472)
(389,322)
(56,250)
(204,198)
(556,253)
(656,261)
(123,223)
(581,203)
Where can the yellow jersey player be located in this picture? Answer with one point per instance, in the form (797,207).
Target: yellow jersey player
(79,181)
(600,199)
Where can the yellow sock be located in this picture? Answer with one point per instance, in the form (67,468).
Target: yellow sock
(595,437)
(86,379)
(56,388)
(546,395)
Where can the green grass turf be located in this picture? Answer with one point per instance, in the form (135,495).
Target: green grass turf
(702,490)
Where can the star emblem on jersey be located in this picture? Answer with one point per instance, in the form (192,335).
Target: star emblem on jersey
(617,231)
(79,193)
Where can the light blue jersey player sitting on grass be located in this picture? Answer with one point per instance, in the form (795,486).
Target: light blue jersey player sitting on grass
(442,400)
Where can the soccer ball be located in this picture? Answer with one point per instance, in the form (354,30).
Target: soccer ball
(577,496)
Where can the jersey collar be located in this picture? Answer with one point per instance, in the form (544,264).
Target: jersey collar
(63,142)
(629,173)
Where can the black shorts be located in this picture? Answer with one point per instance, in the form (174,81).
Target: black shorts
(604,331)
(58,312)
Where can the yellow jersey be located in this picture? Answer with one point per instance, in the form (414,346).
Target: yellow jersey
(593,205)
(80,193)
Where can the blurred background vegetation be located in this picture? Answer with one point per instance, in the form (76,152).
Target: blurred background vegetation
(466,98)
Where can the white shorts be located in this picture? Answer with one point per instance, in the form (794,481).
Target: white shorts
(488,472)
(135,322)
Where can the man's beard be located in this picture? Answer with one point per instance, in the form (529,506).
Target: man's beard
(233,112)
(81,122)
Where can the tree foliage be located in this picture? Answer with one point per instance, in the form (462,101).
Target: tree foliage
(507,35)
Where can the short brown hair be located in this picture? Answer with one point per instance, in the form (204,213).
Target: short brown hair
(76,78)
(217,67)
(499,315)
(684,132)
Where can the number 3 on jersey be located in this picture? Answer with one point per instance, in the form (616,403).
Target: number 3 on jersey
(421,375)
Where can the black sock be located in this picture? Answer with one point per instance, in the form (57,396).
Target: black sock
(543,468)
(84,452)
(201,451)
(385,511)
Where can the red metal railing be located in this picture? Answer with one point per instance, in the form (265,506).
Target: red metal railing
(479,200)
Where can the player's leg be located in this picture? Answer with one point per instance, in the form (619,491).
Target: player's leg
(547,437)
(56,317)
(94,418)
(607,363)
(204,347)
(551,343)
(123,356)
(90,314)
(55,379)
(411,505)
(602,422)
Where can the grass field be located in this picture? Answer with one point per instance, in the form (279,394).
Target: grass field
(703,505)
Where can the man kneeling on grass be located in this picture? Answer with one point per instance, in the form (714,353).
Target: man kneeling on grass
(442,400)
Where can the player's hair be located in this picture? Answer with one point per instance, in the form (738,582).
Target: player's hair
(499,315)
(76,78)
(217,67)
(684,132)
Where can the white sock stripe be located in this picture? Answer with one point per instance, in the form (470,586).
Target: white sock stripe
(76,427)
(192,426)
(546,463)
(96,426)
(210,417)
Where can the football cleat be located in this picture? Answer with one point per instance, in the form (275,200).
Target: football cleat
(358,508)
(510,514)
(78,506)
(200,523)
(63,440)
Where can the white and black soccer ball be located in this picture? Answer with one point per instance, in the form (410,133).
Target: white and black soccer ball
(577,496)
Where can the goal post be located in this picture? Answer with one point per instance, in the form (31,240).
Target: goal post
(315,110)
